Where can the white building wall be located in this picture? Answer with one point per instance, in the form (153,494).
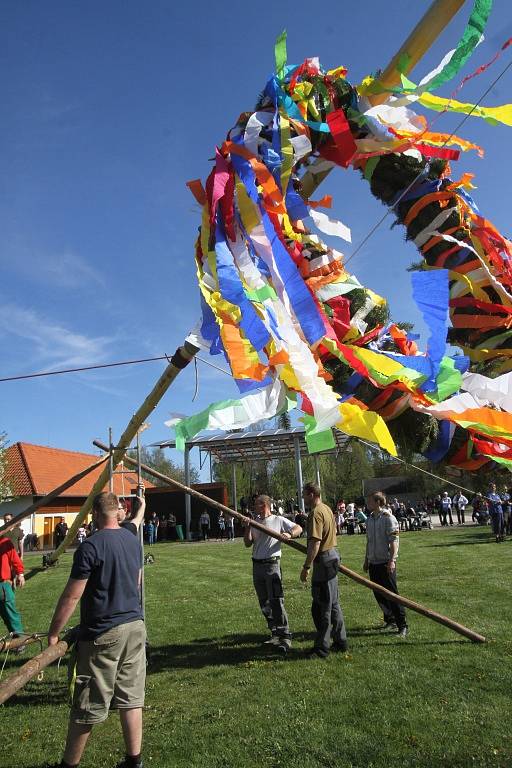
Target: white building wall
(14,508)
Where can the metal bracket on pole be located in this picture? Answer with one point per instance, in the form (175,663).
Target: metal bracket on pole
(318,478)
(233,488)
(188,502)
(298,472)
(110,462)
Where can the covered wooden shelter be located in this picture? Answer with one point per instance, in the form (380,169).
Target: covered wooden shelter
(250,446)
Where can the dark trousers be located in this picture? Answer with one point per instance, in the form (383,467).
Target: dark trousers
(392,611)
(460,516)
(444,515)
(325,608)
(268,584)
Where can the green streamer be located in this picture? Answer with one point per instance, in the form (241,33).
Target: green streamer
(280,54)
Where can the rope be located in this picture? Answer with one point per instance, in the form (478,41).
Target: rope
(425,169)
(425,471)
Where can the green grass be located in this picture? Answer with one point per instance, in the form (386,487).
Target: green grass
(216,698)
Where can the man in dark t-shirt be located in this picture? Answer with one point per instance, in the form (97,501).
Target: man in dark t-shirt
(109,655)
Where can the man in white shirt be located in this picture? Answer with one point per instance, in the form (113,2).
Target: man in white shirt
(446,509)
(460,503)
(266,569)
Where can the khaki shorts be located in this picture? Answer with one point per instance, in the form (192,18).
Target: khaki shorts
(108,672)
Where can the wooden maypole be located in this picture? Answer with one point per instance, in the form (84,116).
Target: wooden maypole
(417,44)
(178,362)
(425,33)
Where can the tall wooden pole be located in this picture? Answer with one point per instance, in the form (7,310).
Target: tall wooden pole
(417,607)
(179,360)
(425,33)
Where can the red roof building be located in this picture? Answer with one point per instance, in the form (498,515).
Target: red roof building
(32,471)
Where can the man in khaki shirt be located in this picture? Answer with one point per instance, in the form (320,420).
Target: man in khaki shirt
(325,558)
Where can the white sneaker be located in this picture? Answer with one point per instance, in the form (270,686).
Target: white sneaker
(273,640)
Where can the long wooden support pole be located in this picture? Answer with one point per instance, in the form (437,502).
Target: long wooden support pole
(51,496)
(10,643)
(417,607)
(11,685)
(179,360)
(425,33)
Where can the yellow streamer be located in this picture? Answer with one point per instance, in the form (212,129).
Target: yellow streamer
(367,425)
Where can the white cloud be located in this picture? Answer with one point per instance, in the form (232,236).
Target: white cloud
(62,270)
(68,270)
(49,344)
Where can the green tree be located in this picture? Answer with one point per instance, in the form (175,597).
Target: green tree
(6,491)
(156,458)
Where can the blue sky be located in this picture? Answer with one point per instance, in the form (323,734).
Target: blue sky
(108,108)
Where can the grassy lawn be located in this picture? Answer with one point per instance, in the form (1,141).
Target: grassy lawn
(217,698)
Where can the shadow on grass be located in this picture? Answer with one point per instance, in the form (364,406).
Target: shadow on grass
(243,649)
(486,537)
(39,694)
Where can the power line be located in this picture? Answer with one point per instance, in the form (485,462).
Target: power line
(41,374)
(414,466)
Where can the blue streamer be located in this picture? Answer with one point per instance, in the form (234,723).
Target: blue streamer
(430,291)
(438,451)
(301,299)
(232,290)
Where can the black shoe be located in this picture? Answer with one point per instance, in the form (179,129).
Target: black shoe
(127,763)
(316,653)
(341,647)
(389,625)
(283,648)
(403,632)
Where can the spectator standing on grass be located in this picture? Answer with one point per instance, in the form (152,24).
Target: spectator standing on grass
(446,509)
(230,527)
(11,568)
(324,557)
(15,535)
(171,527)
(108,664)
(204,523)
(340,520)
(156,523)
(221,523)
(507,509)
(496,513)
(151,532)
(266,570)
(460,503)
(382,533)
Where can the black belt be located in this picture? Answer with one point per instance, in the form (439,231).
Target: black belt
(267,561)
